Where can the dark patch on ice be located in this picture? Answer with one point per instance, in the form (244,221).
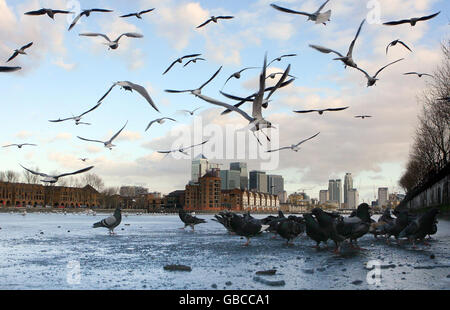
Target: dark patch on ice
(357,282)
(269,282)
(177,268)
(267,272)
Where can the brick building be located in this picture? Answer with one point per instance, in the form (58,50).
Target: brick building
(20,194)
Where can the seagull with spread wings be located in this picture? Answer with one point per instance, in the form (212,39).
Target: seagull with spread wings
(318,17)
(54,178)
(237,75)
(138,14)
(371,80)
(411,21)
(108,144)
(347,60)
(129,86)
(78,118)
(194,61)
(395,42)
(51,13)
(363,116)
(180,60)
(113,44)
(281,57)
(183,149)
(20,145)
(417,73)
(323,110)
(190,112)
(159,121)
(197,91)
(87,13)
(20,51)
(294,147)
(273,75)
(214,19)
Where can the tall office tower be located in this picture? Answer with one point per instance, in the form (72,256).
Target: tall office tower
(258,181)
(335,191)
(348,185)
(275,184)
(242,168)
(383,196)
(323,196)
(230,179)
(353,198)
(199,167)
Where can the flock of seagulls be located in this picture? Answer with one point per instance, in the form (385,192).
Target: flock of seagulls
(259,100)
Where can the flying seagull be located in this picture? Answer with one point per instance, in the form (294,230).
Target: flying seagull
(113,44)
(393,43)
(214,19)
(180,60)
(159,121)
(87,13)
(130,87)
(83,159)
(197,91)
(256,121)
(108,144)
(54,178)
(20,145)
(110,222)
(20,51)
(371,80)
(51,13)
(183,149)
(347,60)
(190,112)
(273,75)
(138,15)
(77,119)
(322,111)
(412,21)
(281,57)
(294,147)
(319,18)
(237,74)
(363,116)
(9,69)
(194,60)
(418,74)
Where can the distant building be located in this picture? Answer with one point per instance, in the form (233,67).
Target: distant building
(348,185)
(258,181)
(204,195)
(275,184)
(282,197)
(353,198)
(242,168)
(230,179)
(199,167)
(335,191)
(174,200)
(383,196)
(133,191)
(323,196)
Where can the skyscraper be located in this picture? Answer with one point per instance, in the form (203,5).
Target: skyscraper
(242,168)
(230,179)
(353,198)
(335,191)
(323,196)
(383,196)
(258,181)
(275,184)
(348,185)
(199,168)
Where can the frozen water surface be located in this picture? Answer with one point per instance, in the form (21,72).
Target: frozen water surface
(135,257)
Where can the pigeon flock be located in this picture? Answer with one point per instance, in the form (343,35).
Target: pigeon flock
(319,225)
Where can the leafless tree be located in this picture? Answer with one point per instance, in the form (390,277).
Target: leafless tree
(12,176)
(93,180)
(31,178)
(2,176)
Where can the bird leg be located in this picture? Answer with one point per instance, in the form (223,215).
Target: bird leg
(248,242)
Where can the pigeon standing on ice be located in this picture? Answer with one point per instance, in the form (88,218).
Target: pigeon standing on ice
(328,226)
(355,227)
(314,231)
(189,220)
(291,228)
(421,227)
(224,218)
(110,222)
(247,226)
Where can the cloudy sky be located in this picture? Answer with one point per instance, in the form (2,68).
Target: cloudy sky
(66,74)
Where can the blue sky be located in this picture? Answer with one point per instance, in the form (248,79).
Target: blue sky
(65,73)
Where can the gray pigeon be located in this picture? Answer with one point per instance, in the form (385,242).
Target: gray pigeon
(110,222)
(189,220)
(246,226)
(422,226)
